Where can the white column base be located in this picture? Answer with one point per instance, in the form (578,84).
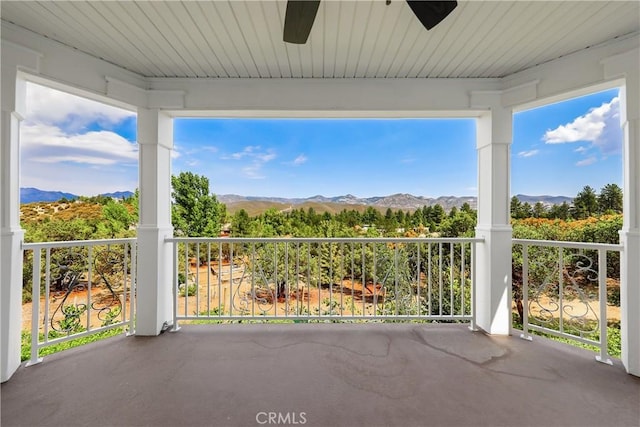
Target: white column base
(630,301)
(10,301)
(493,280)
(154,297)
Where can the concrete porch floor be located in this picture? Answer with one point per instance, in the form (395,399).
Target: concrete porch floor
(322,375)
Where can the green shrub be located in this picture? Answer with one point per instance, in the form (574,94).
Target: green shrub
(189,290)
(25,353)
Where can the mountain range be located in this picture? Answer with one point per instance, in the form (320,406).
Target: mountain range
(395,201)
(235,202)
(31,195)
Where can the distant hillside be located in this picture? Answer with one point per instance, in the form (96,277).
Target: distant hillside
(256,207)
(119,194)
(31,195)
(545,200)
(407,202)
(396,201)
(255,204)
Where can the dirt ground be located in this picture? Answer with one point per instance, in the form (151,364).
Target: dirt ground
(217,294)
(100,297)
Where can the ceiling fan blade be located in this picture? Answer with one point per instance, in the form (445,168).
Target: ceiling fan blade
(431,13)
(298,20)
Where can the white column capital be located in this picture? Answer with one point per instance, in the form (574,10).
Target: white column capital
(14,90)
(506,97)
(626,66)
(495,127)
(623,64)
(155,128)
(142,97)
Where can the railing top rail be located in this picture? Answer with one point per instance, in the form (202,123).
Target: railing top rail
(324,239)
(565,244)
(72,243)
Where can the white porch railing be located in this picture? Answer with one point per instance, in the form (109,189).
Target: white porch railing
(80,288)
(562,287)
(312,279)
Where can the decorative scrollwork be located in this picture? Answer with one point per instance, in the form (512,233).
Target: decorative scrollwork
(565,306)
(579,313)
(108,265)
(65,279)
(262,294)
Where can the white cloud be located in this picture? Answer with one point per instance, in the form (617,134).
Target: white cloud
(49,144)
(581,149)
(248,151)
(529,153)
(600,126)
(586,162)
(253,171)
(257,158)
(265,157)
(50,106)
(301,159)
(67,144)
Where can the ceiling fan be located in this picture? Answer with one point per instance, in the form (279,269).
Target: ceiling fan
(300,15)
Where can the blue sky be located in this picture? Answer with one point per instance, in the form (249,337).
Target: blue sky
(79,146)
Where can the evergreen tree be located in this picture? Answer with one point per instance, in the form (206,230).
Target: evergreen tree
(585,203)
(437,214)
(610,199)
(526,211)
(560,211)
(371,216)
(539,210)
(516,207)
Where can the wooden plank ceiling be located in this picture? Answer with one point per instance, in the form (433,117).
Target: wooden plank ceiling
(350,39)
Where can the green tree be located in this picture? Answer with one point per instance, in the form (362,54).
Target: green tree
(516,207)
(58,231)
(437,213)
(390,221)
(371,216)
(539,210)
(195,212)
(117,220)
(461,224)
(610,199)
(562,211)
(240,223)
(134,201)
(585,203)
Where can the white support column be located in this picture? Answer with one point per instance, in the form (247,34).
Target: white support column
(493,262)
(11,235)
(628,64)
(155,137)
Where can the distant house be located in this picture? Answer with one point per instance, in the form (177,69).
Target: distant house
(225,230)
